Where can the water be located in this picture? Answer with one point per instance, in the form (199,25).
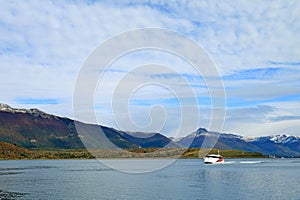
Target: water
(185,179)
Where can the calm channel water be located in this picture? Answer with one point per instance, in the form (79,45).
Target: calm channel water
(184,179)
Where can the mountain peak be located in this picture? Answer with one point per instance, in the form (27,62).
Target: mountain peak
(201,130)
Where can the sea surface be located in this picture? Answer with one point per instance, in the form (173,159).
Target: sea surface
(184,179)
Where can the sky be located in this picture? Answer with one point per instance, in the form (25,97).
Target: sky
(254,46)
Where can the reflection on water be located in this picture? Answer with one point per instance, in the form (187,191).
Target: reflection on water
(185,179)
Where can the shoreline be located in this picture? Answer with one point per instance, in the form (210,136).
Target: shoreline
(17,153)
(161,158)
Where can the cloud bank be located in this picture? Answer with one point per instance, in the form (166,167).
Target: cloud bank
(254,45)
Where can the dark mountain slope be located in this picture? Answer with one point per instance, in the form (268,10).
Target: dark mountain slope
(32,128)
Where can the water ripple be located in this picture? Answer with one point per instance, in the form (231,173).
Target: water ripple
(6,195)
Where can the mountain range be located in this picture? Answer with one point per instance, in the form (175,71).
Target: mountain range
(274,145)
(32,128)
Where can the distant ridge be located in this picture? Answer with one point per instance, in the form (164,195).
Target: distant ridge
(275,145)
(32,128)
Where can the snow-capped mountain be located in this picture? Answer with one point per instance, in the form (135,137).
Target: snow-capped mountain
(279,139)
(280,145)
(284,139)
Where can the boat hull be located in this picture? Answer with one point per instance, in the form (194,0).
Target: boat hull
(213,159)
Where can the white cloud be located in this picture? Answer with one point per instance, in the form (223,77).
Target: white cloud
(44,43)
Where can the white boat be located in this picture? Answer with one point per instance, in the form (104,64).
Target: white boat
(213,159)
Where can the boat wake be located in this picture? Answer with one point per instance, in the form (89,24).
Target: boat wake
(242,162)
(251,162)
(230,162)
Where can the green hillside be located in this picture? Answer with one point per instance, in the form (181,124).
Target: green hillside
(10,151)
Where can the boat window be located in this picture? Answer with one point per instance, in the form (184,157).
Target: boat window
(213,156)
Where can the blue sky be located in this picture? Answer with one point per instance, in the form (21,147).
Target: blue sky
(254,45)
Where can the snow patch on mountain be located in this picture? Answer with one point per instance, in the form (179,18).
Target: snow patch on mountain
(278,139)
(283,139)
(33,111)
(249,138)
